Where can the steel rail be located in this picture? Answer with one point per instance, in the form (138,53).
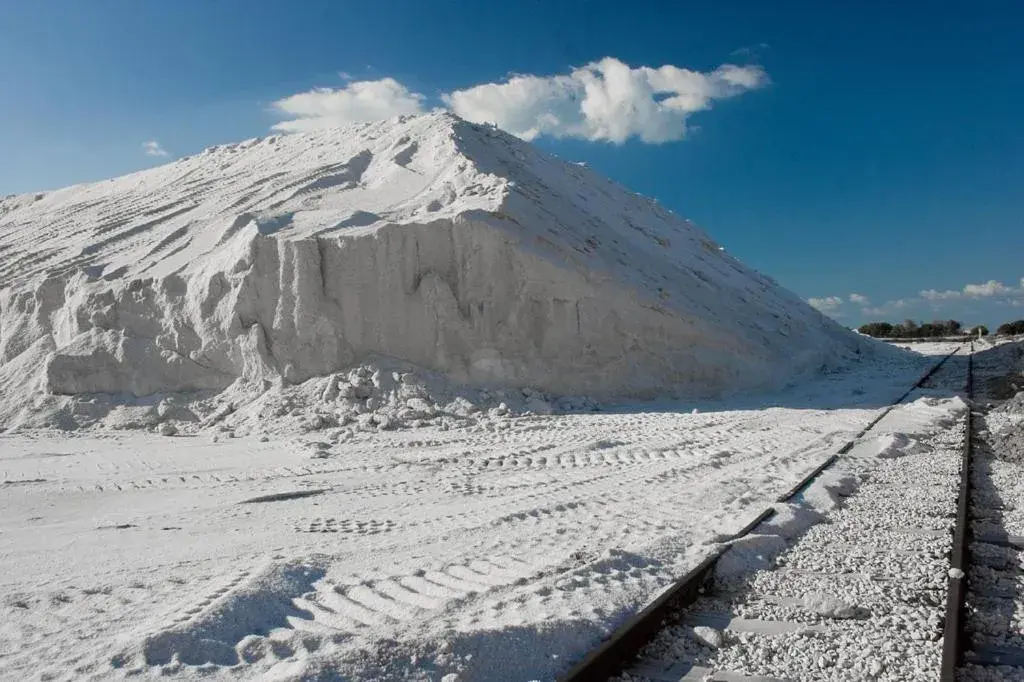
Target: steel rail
(953,629)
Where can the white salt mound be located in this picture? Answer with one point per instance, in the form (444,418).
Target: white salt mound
(450,246)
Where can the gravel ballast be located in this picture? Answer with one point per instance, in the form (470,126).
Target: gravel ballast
(847,583)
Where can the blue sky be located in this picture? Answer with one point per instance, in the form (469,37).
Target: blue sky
(864,148)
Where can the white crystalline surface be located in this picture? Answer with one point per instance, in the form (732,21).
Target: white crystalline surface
(491,547)
(454,247)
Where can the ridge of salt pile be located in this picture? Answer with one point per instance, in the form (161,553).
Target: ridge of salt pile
(426,240)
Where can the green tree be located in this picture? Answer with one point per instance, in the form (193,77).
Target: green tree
(879,330)
(952,328)
(1011,328)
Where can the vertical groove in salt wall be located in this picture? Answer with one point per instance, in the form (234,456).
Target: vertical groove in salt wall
(454,296)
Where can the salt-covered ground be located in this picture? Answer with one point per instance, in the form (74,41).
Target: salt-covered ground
(496,547)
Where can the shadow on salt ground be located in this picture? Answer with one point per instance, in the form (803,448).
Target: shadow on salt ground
(538,653)
(218,634)
(988,518)
(541,652)
(864,387)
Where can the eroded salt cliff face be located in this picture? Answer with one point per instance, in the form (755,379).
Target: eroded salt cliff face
(449,246)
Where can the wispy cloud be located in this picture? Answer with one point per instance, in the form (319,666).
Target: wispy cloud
(993,291)
(153,148)
(990,289)
(750,50)
(890,307)
(936,295)
(859,300)
(826,304)
(606,100)
(356,102)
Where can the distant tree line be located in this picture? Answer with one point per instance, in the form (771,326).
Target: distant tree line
(908,329)
(1011,328)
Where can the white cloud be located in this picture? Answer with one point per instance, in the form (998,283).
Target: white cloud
(859,299)
(890,307)
(989,289)
(826,304)
(153,148)
(936,295)
(992,290)
(606,100)
(356,102)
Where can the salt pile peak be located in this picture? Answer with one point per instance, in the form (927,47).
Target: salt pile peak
(452,246)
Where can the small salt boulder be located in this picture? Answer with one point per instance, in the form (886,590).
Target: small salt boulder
(168,410)
(406,391)
(828,606)
(362,391)
(168,429)
(358,374)
(708,636)
(331,390)
(421,407)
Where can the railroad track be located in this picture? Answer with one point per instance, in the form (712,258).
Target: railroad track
(984,635)
(953,630)
(662,659)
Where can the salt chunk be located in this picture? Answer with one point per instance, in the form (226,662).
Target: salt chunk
(708,636)
(828,606)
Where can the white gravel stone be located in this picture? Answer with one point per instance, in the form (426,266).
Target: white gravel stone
(708,636)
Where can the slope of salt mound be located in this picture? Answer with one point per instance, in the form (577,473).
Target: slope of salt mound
(451,246)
